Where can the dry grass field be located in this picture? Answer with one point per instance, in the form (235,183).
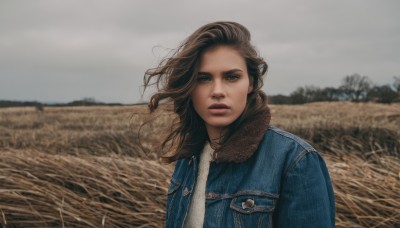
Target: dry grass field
(83,166)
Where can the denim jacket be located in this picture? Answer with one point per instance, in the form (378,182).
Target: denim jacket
(284,183)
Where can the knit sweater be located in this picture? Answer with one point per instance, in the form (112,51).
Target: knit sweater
(195,217)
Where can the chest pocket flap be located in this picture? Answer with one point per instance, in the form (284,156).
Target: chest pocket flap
(248,204)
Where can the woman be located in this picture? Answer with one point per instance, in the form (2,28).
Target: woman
(232,168)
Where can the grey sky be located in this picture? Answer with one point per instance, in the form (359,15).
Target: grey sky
(66,50)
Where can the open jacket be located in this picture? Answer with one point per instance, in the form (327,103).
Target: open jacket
(266,177)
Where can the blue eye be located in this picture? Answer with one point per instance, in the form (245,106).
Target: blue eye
(232,77)
(203,78)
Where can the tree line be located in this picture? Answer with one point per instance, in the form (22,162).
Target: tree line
(354,88)
(40,106)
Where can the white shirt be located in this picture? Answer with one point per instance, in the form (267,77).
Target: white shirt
(195,216)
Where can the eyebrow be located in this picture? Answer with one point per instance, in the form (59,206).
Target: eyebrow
(224,73)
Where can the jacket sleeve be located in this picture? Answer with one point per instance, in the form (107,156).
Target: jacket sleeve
(306,198)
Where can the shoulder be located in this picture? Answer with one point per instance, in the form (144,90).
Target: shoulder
(282,147)
(282,136)
(305,187)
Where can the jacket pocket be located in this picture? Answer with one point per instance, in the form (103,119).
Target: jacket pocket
(171,195)
(252,210)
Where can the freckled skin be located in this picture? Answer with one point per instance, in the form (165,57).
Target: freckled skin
(222,79)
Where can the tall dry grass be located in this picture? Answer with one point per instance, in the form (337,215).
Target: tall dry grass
(83,166)
(45,190)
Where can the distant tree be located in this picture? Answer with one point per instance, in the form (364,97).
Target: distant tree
(298,96)
(279,99)
(382,94)
(330,94)
(7,103)
(396,84)
(306,94)
(355,87)
(312,93)
(87,101)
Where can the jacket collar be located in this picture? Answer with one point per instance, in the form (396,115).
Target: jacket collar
(245,140)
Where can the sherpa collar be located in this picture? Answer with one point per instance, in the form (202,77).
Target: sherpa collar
(244,142)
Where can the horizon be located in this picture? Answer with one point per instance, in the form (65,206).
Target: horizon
(146,101)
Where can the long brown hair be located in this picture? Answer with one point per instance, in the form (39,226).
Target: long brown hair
(175,78)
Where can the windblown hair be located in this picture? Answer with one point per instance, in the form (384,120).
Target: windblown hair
(175,78)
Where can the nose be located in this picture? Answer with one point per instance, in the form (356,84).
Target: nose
(218,90)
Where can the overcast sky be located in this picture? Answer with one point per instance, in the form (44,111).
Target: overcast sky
(60,51)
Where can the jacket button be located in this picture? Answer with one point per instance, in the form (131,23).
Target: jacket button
(185,191)
(211,195)
(248,204)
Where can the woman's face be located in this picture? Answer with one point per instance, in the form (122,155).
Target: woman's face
(220,94)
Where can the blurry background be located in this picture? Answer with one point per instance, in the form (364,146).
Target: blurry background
(59,51)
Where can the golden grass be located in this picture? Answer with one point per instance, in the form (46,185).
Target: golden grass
(51,190)
(366,192)
(83,166)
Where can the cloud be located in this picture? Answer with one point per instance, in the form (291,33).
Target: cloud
(63,50)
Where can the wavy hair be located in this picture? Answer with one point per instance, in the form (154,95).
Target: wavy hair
(175,78)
